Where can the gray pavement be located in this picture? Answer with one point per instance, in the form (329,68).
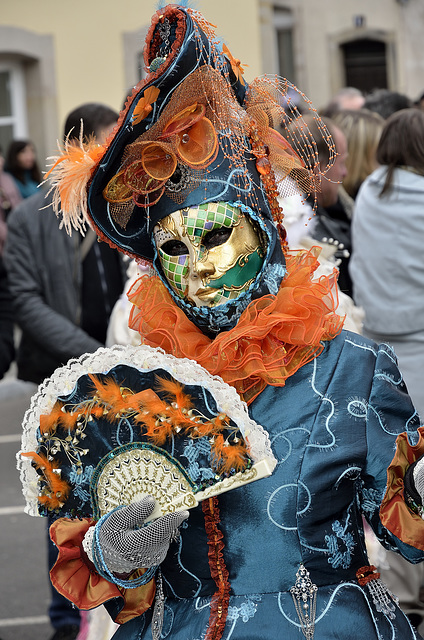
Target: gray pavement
(24,586)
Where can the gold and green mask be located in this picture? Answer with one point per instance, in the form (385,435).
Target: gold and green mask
(210,253)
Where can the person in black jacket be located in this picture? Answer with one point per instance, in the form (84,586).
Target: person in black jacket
(7,349)
(63,290)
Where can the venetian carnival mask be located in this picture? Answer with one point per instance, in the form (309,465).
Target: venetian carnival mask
(209,253)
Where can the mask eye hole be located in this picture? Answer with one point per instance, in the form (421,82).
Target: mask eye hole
(174,248)
(216,237)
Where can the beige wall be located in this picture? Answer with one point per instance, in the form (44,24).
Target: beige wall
(89,44)
(88,47)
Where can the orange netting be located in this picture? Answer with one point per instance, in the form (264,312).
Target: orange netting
(274,337)
(293,154)
(201,107)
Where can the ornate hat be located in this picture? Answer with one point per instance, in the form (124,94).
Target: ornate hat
(192,132)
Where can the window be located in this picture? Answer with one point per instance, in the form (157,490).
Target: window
(13,117)
(283,23)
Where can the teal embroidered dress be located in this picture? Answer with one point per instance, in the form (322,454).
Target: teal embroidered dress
(332,429)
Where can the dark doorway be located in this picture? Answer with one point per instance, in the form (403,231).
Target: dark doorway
(365,64)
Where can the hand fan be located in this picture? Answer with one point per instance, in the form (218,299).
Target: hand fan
(122,423)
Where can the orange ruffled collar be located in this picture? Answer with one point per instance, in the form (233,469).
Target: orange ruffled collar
(275,336)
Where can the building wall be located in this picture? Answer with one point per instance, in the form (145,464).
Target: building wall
(320,26)
(92,47)
(74,51)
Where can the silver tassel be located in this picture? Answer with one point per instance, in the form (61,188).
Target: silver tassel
(384,600)
(159,608)
(304,594)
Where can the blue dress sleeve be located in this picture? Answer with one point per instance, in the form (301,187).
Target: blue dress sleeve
(393,443)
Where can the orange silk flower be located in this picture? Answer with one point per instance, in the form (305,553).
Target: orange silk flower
(238,70)
(144,105)
(189,135)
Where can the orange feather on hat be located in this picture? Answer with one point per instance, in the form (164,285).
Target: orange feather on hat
(69,177)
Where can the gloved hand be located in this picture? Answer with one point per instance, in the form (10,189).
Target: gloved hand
(414,484)
(125,546)
(419,478)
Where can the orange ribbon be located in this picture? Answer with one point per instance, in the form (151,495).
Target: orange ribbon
(144,105)
(189,136)
(235,63)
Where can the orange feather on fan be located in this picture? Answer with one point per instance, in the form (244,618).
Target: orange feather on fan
(156,429)
(57,489)
(153,415)
(66,419)
(57,418)
(174,391)
(226,456)
(115,398)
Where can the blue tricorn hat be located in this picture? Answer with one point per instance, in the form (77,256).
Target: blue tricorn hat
(182,139)
(192,132)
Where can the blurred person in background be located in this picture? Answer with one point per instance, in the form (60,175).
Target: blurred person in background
(331,222)
(9,198)
(331,231)
(9,192)
(63,290)
(59,307)
(387,264)
(387,269)
(386,102)
(21,163)
(362,129)
(347,98)
(7,349)
(419,102)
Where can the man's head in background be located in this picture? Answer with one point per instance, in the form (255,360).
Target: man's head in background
(386,102)
(346,98)
(98,121)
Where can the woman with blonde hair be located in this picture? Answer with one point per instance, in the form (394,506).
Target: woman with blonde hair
(362,129)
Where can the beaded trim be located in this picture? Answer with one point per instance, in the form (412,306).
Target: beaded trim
(221,598)
(266,172)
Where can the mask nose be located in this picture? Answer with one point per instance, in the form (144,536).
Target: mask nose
(202,267)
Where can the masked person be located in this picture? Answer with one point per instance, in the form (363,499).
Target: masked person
(189,183)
